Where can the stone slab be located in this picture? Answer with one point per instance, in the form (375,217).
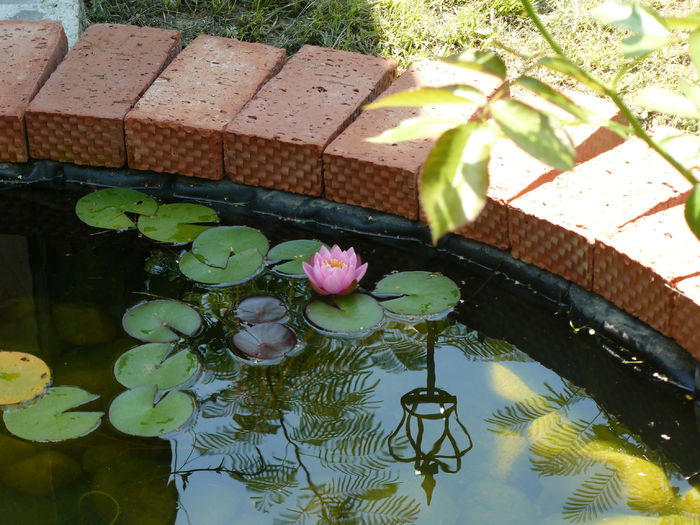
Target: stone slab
(385,176)
(277,140)
(635,266)
(177,126)
(29,53)
(685,321)
(67,12)
(555,226)
(513,172)
(78,116)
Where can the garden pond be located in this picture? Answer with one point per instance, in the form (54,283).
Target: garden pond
(469,399)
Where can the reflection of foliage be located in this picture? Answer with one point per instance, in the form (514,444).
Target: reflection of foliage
(595,496)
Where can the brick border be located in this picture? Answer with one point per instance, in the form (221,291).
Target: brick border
(638,254)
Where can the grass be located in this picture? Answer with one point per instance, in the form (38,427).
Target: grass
(407,30)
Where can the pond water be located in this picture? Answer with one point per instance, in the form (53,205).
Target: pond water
(449,421)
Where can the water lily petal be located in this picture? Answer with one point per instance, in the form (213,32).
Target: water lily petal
(360,272)
(337,253)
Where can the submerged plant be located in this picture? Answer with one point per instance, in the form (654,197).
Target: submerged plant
(335,271)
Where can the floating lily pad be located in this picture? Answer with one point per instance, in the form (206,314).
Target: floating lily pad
(135,411)
(419,293)
(107,208)
(46,420)
(177,223)
(22,377)
(161,321)
(295,253)
(240,268)
(214,246)
(265,341)
(349,315)
(150,364)
(261,309)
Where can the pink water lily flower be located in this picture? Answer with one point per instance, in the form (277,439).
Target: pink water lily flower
(335,271)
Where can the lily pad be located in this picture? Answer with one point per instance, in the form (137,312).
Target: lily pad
(261,309)
(349,315)
(177,223)
(22,377)
(135,411)
(424,294)
(107,208)
(294,252)
(265,341)
(151,364)
(214,246)
(161,321)
(240,268)
(47,419)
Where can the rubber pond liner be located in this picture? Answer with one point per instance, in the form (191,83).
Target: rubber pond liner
(642,378)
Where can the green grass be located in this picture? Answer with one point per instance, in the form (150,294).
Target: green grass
(407,30)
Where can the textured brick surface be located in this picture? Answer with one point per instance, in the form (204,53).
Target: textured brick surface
(513,172)
(277,140)
(30,53)
(555,225)
(78,116)
(685,322)
(385,176)
(177,126)
(635,266)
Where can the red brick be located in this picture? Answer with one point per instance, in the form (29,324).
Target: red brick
(685,322)
(277,140)
(385,176)
(555,225)
(636,265)
(513,172)
(78,116)
(32,50)
(178,124)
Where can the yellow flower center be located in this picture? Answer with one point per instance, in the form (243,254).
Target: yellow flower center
(334,263)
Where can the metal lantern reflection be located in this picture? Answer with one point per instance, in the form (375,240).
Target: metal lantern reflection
(437,439)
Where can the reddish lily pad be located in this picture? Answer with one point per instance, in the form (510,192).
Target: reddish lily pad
(264,341)
(22,377)
(261,309)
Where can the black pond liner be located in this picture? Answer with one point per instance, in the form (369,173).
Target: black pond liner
(642,377)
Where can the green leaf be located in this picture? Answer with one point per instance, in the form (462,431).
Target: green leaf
(565,66)
(692,210)
(348,315)
(47,419)
(417,128)
(22,377)
(690,21)
(694,48)
(161,321)
(419,293)
(555,97)
(535,132)
(214,246)
(152,364)
(241,267)
(135,412)
(691,91)
(651,30)
(177,223)
(295,252)
(665,100)
(684,148)
(482,61)
(107,208)
(454,180)
(431,96)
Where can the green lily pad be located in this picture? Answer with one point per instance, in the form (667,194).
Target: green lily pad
(214,246)
(46,420)
(349,315)
(107,208)
(294,253)
(177,223)
(151,364)
(161,321)
(422,294)
(22,377)
(135,411)
(240,268)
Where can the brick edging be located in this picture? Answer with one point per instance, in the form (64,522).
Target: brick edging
(612,225)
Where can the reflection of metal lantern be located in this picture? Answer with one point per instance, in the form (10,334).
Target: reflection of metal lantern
(427,416)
